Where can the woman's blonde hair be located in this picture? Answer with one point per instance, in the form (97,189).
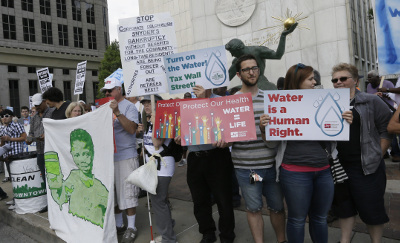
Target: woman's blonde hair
(71,106)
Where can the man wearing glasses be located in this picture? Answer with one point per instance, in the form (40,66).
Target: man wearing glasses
(125,158)
(12,134)
(254,161)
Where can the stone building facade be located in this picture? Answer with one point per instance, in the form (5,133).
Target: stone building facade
(339,30)
(50,33)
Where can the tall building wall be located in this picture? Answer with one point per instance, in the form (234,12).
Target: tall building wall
(332,37)
(50,33)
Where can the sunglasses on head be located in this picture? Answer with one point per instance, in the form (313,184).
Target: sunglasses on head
(5,116)
(299,65)
(342,79)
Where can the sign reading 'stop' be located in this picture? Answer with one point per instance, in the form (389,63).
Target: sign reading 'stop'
(144,40)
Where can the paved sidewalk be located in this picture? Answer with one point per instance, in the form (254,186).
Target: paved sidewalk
(37,226)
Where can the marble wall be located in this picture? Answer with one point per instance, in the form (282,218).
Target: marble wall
(325,44)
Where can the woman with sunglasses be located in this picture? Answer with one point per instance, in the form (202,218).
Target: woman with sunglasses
(304,171)
(362,158)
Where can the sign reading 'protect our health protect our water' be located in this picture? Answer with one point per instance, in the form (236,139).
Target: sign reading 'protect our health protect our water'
(205,67)
(307,114)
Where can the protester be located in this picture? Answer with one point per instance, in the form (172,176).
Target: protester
(125,159)
(33,112)
(159,202)
(55,99)
(25,118)
(74,109)
(373,86)
(304,171)
(362,158)
(209,172)
(183,161)
(259,162)
(36,131)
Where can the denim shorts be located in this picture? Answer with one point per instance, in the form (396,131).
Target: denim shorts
(268,187)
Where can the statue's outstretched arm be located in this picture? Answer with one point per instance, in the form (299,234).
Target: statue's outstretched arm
(270,54)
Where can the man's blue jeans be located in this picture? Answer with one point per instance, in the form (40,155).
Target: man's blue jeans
(307,193)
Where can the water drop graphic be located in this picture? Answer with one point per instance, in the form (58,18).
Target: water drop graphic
(316,104)
(320,98)
(336,96)
(329,116)
(215,70)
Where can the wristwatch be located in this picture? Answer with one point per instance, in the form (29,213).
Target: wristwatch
(119,113)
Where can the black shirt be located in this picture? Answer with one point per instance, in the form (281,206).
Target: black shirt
(59,114)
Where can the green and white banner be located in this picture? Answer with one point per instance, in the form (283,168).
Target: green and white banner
(80,178)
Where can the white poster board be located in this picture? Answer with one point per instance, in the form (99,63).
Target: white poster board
(44,79)
(117,75)
(80,77)
(307,114)
(143,42)
(206,67)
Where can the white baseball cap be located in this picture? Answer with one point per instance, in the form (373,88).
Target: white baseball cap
(110,84)
(37,99)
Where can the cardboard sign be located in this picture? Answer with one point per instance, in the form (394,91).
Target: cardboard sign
(168,118)
(143,42)
(80,77)
(307,114)
(44,79)
(229,118)
(205,67)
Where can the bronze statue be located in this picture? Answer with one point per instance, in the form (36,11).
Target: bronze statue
(237,48)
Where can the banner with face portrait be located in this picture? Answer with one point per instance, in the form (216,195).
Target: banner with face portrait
(79,175)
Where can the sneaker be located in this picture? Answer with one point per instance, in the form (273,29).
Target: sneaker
(129,235)
(43,210)
(10,202)
(158,239)
(208,238)
(12,207)
(182,162)
(121,230)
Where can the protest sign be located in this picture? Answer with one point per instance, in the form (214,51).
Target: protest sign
(387,19)
(102,101)
(30,102)
(205,121)
(307,114)
(205,67)
(44,79)
(80,78)
(143,42)
(117,76)
(80,177)
(168,119)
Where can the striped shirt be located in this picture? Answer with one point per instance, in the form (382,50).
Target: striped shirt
(13,130)
(256,154)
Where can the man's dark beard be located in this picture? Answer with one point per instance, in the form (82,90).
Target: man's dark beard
(247,83)
(374,85)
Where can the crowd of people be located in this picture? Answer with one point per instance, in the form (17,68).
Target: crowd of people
(295,172)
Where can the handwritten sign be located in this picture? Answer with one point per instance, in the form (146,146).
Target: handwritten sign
(80,77)
(44,79)
(205,67)
(144,41)
(307,114)
(205,121)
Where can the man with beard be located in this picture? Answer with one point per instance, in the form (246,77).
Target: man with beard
(260,162)
(373,86)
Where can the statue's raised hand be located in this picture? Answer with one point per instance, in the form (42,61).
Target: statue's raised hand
(290,30)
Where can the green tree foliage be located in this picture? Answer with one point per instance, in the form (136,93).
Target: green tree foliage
(110,63)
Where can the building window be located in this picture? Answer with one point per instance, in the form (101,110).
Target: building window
(67,90)
(27,5)
(90,13)
(31,69)
(45,7)
(47,34)
(14,96)
(106,39)
(65,71)
(78,39)
(94,73)
(95,89)
(12,69)
(33,87)
(76,10)
(92,39)
(51,70)
(9,30)
(104,17)
(63,35)
(29,29)
(61,9)
(7,3)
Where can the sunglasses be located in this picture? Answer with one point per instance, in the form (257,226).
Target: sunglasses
(299,65)
(108,90)
(247,70)
(5,116)
(342,79)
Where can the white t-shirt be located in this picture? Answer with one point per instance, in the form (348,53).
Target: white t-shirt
(167,168)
